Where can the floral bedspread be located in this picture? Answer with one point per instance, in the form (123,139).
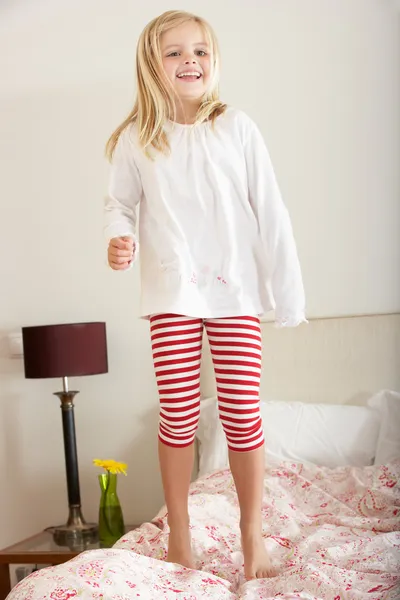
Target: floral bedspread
(332,535)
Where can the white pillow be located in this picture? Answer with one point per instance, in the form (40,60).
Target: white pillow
(213,451)
(387,404)
(324,434)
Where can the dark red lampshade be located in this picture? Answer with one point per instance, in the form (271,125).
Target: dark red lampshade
(68,350)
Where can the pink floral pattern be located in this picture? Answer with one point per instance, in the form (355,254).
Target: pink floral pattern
(332,534)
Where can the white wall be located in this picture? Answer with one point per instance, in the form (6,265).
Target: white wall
(321,77)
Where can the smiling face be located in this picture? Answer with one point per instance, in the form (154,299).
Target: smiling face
(186,60)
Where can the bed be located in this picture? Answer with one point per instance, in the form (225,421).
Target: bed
(332,530)
(331,533)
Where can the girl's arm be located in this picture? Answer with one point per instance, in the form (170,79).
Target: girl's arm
(276,232)
(124,194)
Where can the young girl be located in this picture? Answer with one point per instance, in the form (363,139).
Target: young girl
(217,252)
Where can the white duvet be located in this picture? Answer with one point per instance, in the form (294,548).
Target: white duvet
(332,534)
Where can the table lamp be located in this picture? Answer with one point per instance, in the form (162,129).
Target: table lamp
(67,350)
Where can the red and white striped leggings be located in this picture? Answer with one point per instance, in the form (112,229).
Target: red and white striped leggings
(235,344)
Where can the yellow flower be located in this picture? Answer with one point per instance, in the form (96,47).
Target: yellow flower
(112,466)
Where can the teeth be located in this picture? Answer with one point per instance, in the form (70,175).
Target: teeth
(189,74)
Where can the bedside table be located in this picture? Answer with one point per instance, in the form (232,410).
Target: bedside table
(40,549)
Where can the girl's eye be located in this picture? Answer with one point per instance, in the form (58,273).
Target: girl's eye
(176,53)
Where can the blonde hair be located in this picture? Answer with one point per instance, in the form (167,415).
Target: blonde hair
(155,101)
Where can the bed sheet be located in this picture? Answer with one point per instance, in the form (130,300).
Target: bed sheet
(332,535)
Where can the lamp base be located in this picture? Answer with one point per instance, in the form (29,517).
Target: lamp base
(76,533)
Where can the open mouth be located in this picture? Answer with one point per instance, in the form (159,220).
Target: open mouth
(189,76)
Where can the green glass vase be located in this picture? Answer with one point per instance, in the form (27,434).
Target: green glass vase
(111,520)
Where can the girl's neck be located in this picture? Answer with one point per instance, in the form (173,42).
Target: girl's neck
(186,112)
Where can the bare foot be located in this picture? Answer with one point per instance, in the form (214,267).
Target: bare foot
(180,548)
(257,563)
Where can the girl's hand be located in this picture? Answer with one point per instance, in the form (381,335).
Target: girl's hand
(120,253)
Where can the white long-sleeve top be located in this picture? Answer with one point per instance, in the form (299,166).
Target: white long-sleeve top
(215,237)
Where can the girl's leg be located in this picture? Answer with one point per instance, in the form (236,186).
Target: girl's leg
(236,351)
(176,344)
(248,473)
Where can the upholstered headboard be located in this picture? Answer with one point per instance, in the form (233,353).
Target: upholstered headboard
(337,360)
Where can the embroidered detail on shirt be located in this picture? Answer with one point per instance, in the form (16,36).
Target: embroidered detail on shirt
(205,278)
(172,266)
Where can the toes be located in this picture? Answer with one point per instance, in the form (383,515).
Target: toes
(266,573)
